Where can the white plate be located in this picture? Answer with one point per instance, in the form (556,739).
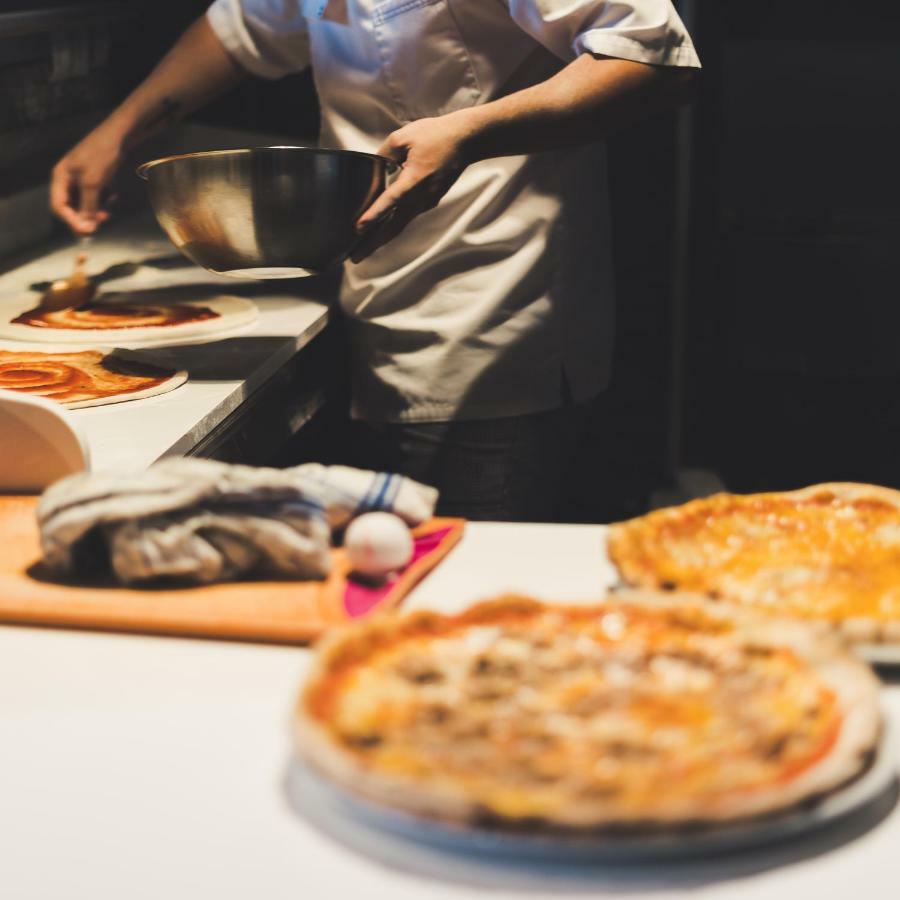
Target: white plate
(319,799)
(41,443)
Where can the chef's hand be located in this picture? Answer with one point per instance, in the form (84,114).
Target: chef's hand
(79,179)
(430,153)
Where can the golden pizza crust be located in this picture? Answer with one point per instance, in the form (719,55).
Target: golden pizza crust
(852,581)
(821,657)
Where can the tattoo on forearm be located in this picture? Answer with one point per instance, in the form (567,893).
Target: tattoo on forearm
(161,118)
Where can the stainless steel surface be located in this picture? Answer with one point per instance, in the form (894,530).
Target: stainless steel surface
(264,212)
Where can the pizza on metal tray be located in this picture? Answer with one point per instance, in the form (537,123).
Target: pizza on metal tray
(828,552)
(646,712)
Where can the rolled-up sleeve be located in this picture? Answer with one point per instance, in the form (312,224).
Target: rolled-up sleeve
(267,37)
(648,31)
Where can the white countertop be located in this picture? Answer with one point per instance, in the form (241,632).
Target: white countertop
(223,373)
(143,768)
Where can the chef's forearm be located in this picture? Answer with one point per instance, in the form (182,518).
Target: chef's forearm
(588,100)
(194,71)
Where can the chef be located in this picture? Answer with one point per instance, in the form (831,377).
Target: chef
(480,299)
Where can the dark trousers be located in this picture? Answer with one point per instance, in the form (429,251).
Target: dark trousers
(510,469)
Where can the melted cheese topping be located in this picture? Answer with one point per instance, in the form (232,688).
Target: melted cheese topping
(75,377)
(822,556)
(115,316)
(627,708)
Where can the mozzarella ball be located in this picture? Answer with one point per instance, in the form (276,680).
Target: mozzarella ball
(378,543)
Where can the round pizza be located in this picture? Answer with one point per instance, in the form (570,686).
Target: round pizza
(829,552)
(84,377)
(106,316)
(644,712)
(111,318)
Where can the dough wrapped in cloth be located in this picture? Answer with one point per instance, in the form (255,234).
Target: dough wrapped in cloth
(202,521)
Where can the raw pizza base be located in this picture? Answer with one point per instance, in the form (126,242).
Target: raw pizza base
(693,563)
(233,313)
(449,800)
(174,379)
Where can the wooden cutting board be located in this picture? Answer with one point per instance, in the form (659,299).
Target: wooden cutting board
(272,611)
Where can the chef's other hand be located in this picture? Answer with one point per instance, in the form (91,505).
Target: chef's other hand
(79,178)
(430,154)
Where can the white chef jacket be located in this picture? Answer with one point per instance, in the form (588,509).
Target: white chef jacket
(499,301)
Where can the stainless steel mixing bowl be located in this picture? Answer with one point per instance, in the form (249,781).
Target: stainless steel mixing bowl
(264,212)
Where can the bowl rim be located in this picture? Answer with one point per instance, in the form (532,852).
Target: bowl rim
(142,170)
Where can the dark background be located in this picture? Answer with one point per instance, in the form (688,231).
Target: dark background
(756,237)
(792,324)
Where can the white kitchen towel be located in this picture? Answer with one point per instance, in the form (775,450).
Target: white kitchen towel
(202,521)
(345,493)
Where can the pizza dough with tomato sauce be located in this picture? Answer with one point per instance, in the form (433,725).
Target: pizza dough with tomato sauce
(114,319)
(84,377)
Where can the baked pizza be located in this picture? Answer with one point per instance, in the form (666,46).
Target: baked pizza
(85,377)
(829,552)
(645,712)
